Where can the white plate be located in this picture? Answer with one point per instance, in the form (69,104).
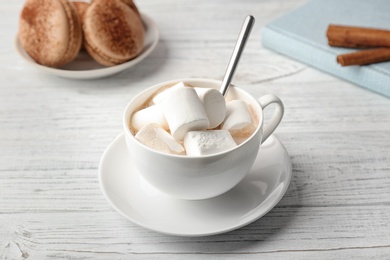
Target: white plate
(142,204)
(84,67)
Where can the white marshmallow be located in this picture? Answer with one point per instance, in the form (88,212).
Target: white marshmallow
(208,142)
(155,137)
(158,98)
(237,115)
(184,112)
(212,100)
(151,114)
(214,104)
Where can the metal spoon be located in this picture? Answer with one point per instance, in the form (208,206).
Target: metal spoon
(238,49)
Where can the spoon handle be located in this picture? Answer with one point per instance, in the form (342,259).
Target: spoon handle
(238,49)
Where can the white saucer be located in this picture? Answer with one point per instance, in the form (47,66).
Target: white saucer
(84,67)
(142,204)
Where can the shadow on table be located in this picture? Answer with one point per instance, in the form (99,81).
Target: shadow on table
(268,228)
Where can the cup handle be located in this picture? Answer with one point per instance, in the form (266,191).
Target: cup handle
(277,116)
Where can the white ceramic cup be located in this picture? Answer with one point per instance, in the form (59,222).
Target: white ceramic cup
(200,177)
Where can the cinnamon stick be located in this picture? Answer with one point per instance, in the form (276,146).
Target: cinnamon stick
(364,57)
(335,43)
(349,36)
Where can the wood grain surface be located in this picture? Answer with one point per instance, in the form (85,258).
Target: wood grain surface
(53,132)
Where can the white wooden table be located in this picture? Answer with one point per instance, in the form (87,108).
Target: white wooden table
(53,132)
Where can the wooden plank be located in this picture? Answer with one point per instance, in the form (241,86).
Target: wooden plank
(299,231)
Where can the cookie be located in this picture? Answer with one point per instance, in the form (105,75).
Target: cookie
(50,31)
(113,32)
(131,4)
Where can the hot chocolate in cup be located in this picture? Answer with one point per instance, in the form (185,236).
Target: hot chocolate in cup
(206,176)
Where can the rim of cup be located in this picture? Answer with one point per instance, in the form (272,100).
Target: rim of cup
(127,115)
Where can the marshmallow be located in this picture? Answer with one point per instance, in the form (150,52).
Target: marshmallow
(208,142)
(184,111)
(214,104)
(212,100)
(237,115)
(151,114)
(155,137)
(159,97)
